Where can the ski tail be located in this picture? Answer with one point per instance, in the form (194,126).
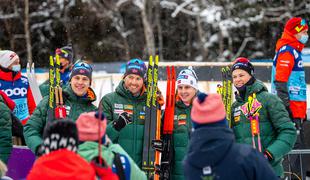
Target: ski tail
(167,137)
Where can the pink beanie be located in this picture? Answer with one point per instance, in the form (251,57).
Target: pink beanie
(207,109)
(87,125)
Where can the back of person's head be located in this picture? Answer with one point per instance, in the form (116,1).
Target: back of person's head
(60,134)
(88,126)
(208,109)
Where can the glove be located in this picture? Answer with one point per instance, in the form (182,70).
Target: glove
(103,170)
(122,121)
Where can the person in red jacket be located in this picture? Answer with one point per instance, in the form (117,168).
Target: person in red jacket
(16,86)
(288,75)
(59,158)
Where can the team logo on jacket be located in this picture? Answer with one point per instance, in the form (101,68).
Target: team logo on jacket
(181,119)
(142,115)
(237,114)
(16,92)
(118,108)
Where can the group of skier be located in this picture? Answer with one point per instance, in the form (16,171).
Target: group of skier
(203,145)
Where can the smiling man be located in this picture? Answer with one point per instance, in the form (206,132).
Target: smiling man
(187,88)
(77,96)
(125,110)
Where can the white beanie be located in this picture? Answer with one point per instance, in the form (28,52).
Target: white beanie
(7,57)
(188,77)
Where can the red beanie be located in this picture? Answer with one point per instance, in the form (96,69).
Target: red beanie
(87,125)
(208,109)
(295,25)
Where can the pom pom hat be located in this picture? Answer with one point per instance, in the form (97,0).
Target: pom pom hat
(87,125)
(207,109)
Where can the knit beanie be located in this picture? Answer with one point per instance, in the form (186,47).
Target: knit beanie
(66,52)
(295,25)
(244,64)
(207,109)
(188,77)
(81,68)
(7,57)
(87,125)
(136,66)
(60,134)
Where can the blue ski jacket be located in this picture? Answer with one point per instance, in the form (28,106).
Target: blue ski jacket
(213,154)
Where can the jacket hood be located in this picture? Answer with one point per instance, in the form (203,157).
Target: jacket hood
(211,143)
(61,164)
(257,86)
(121,90)
(88,98)
(288,39)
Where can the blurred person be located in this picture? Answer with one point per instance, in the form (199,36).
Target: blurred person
(273,133)
(87,125)
(16,86)
(77,96)
(66,60)
(213,152)
(59,158)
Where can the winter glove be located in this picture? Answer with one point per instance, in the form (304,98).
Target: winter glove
(122,121)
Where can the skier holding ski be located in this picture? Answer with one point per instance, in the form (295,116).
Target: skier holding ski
(124,110)
(187,88)
(15,85)
(213,152)
(87,125)
(259,118)
(77,96)
(66,59)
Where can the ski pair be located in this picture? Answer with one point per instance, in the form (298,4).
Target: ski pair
(152,118)
(226,92)
(33,83)
(165,145)
(56,108)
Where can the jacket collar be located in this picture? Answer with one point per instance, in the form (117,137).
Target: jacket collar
(8,76)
